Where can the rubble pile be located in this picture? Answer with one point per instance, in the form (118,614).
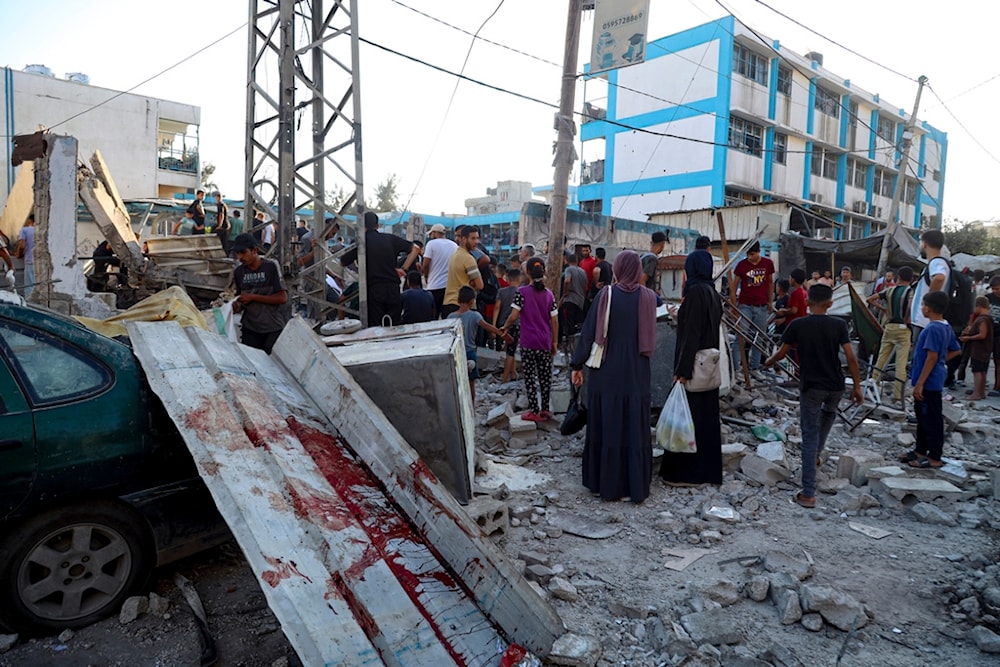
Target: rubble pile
(896,566)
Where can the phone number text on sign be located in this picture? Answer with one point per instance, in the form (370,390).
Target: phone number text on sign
(632,18)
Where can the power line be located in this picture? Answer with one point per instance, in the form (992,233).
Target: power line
(447,110)
(552,105)
(962,125)
(476,34)
(155,76)
(969,90)
(834,42)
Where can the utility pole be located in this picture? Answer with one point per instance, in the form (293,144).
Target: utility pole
(565,152)
(897,192)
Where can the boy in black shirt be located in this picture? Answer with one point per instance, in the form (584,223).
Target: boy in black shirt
(818,339)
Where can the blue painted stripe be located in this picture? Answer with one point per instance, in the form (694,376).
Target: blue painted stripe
(609,142)
(669,114)
(807,172)
(922,159)
(869,183)
(768,158)
(872,134)
(845,104)
(723,100)
(692,179)
(691,37)
(772,88)
(811,107)
(841,180)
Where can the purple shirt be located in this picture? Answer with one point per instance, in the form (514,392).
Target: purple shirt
(537,308)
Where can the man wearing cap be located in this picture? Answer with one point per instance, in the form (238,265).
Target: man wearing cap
(381,273)
(437,254)
(260,295)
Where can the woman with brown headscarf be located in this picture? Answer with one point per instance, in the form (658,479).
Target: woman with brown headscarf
(617,456)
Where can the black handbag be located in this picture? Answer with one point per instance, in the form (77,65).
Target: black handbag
(576,415)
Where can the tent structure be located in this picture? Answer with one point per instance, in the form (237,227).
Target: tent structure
(821,255)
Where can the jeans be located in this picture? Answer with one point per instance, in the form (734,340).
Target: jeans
(758,315)
(817,412)
(895,338)
(29,279)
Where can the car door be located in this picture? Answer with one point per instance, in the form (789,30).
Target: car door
(18,456)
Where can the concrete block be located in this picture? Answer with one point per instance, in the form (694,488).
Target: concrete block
(952,471)
(855,463)
(714,626)
(559,400)
(836,607)
(625,610)
(762,471)
(133,608)
(533,558)
(812,622)
(500,414)
(885,471)
(773,452)
(732,454)
(906,440)
(832,485)
(921,489)
(789,608)
(932,514)
(757,588)
(575,651)
(540,573)
(489,514)
(778,561)
(519,427)
(563,590)
(723,591)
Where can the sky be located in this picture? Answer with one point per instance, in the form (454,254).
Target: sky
(443,154)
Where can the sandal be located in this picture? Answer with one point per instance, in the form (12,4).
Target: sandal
(909,456)
(809,502)
(926,463)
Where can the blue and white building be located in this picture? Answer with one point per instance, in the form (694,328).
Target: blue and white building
(726,117)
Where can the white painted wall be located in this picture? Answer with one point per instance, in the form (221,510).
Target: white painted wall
(640,206)
(749,96)
(744,169)
(640,155)
(124,129)
(683,77)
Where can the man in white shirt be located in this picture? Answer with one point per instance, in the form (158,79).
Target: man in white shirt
(437,253)
(933,279)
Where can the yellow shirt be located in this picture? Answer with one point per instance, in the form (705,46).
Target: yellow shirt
(462,270)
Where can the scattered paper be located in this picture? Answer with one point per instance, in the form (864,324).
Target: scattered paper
(684,557)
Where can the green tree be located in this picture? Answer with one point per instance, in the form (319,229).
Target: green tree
(386,195)
(336,197)
(968,237)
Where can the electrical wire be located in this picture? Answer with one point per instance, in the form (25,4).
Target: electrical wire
(835,42)
(969,90)
(451,100)
(155,76)
(962,125)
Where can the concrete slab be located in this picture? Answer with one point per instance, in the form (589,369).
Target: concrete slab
(922,489)
(714,626)
(855,463)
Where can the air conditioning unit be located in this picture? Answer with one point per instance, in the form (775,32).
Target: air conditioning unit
(876,211)
(861,206)
(816,197)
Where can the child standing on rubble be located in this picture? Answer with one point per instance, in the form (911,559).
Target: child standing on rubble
(818,338)
(978,336)
(535,307)
(472,321)
(935,346)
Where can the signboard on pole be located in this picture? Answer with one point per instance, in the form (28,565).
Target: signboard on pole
(619,34)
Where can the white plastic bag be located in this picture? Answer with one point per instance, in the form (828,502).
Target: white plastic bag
(675,427)
(223,320)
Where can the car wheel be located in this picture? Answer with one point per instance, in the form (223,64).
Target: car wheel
(69,567)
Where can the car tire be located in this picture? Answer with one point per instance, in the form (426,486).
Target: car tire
(68,567)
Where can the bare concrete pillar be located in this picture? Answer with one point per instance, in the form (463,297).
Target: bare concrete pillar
(61,283)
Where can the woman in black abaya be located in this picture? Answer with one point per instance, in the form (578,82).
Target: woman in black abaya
(697,328)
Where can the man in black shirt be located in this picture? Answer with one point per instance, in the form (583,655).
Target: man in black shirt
(381,273)
(602,273)
(197,211)
(993,296)
(818,339)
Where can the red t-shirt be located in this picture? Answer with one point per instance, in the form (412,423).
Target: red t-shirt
(797,300)
(754,283)
(588,264)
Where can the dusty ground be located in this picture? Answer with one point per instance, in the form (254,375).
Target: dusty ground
(923,587)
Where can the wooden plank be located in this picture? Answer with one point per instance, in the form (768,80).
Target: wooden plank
(317,620)
(379,562)
(500,590)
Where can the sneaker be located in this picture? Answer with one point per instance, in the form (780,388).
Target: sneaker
(532,416)
(545,414)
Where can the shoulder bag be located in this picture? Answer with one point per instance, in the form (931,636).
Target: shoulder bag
(707,374)
(596,357)
(576,415)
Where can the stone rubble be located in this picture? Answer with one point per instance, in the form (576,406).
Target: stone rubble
(704,621)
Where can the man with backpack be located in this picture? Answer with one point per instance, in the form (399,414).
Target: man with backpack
(939,276)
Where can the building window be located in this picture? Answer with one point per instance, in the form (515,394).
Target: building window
(886,129)
(824,163)
(746,136)
(827,102)
(740,198)
(784,80)
(177,148)
(937,176)
(883,183)
(910,191)
(780,148)
(855,173)
(749,64)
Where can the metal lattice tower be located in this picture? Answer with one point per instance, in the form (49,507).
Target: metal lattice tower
(303,117)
